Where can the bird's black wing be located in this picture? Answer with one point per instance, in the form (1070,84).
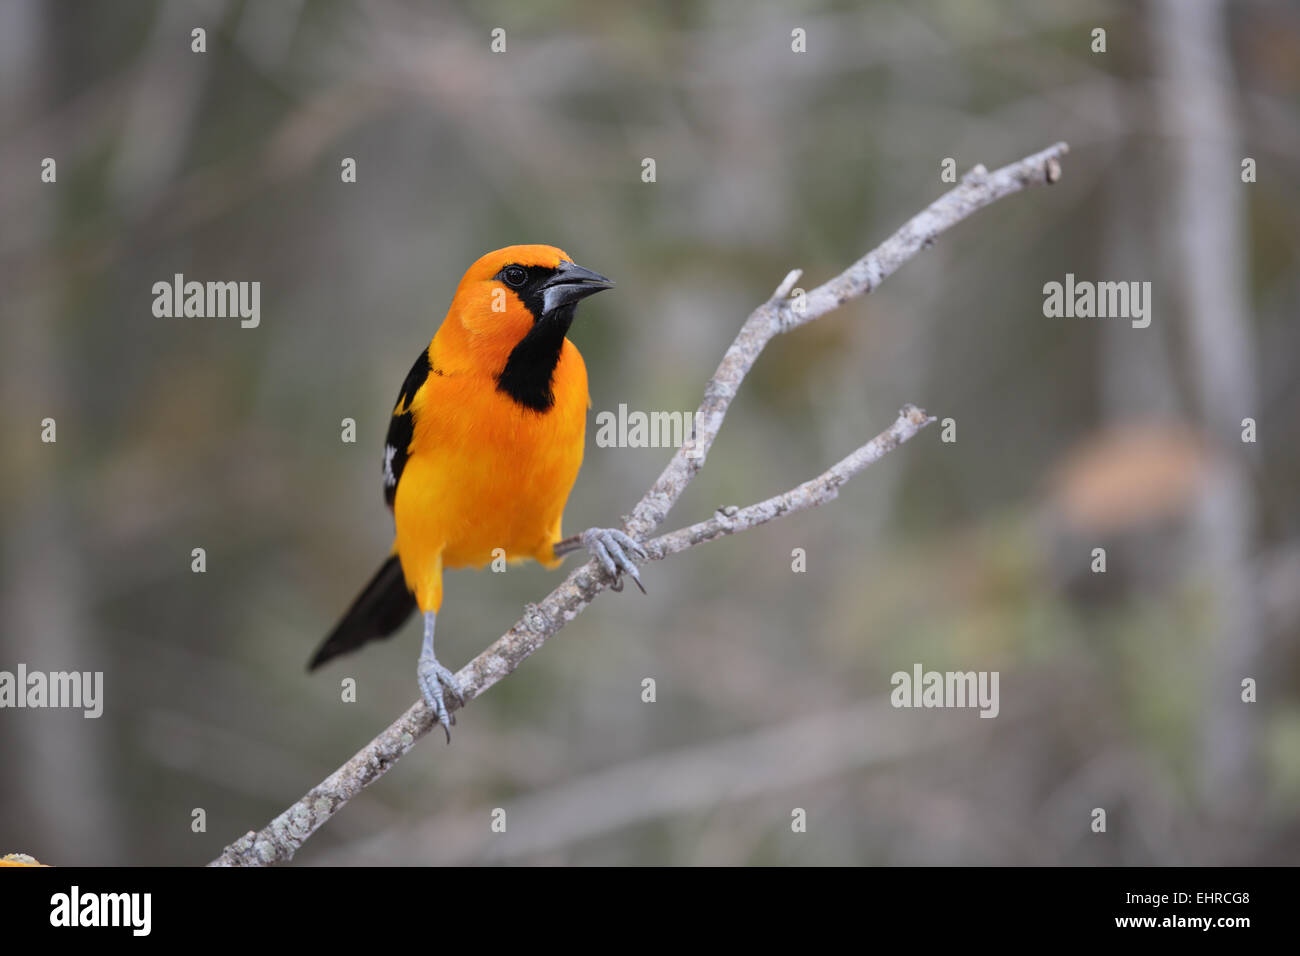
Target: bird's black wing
(401,429)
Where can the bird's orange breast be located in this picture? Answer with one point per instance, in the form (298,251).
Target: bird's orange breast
(485,473)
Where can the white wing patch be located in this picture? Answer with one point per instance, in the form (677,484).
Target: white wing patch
(390,479)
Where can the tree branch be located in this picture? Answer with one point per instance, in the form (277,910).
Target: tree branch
(825,487)
(282,837)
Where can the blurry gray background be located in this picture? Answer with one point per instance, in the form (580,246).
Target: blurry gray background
(1119,691)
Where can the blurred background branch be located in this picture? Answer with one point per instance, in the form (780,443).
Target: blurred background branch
(1206,236)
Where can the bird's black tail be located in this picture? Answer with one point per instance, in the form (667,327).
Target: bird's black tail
(378,611)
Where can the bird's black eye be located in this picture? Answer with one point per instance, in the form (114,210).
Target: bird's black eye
(514,276)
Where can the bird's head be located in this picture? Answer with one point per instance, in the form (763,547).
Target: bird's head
(506,294)
(510,315)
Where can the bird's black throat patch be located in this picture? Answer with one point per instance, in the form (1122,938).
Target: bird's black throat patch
(530,369)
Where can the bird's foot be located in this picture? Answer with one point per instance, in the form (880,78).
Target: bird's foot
(611,547)
(433,677)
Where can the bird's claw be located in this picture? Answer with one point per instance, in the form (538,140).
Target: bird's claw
(432,678)
(610,547)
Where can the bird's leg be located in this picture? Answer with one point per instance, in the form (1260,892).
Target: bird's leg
(610,547)
(432,676)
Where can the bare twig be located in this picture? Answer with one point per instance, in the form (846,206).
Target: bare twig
(825,487)
(282,837)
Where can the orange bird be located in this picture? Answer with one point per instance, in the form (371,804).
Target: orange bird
(484,445)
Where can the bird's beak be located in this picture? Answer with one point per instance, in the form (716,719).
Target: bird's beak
(571,283)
